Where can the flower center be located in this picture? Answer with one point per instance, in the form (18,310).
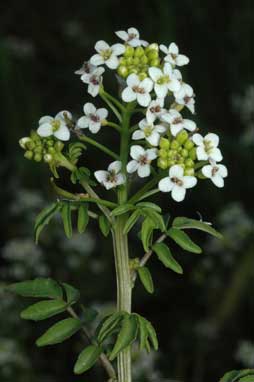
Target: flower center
(132,36)
(177,181)
(111,177)
(94,117)
(94,80)
(187,99)
(106,54)
(174,56)
(208,146)
(144,160)
(215,170)
(177,120)
(139,90)
(148,131)
(163,80)
(55,125)
(155,109)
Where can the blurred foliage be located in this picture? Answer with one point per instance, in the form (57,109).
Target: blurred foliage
(205,317)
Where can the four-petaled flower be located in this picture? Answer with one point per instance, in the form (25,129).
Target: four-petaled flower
(215,172)
(107,54)
(173,56)
(87,68)
(155,109)
(207,147)
(112,177)
(164,80)
(55,126)
(177,123)
(149,131)
(131,37)
(185,96)
(138,90)
(177,183)
(93,118)
(141,160)
(94,80)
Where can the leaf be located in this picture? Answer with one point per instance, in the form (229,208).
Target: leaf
(152,334)
(183,240)
(143,332)
(75,150)
(59,332)
(248,378)
(44,218)
(72,294)
(146,279)
(126,336)
(104,225)
(66,217)
(149,205)
(156,218)
(109,325)
(246,375)
(43,309)
(131,221)
(186,223)
(165,256)
(83,218)
(87,358)
(40,287)
(122,209)
(147,229)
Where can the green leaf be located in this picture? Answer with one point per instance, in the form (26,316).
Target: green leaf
(165,256)
(43,309)
(149,205)
(186,223)
(109,325)
(183,240)
(155,217)
(126,336)
(146,279)
(40,287)
(131,221)
(83,218)
(143,332)
(248,378)
(147,229)
(104,225)
(75,150)
(152,335)
(87,358)
(72,294)
(239,376)
(59,332)
(66,217)
(122,209)
(44,218)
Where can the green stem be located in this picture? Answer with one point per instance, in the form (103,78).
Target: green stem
(111,106)
(144,189)
(93,194)
(114,125)
(99,146)
(112,99)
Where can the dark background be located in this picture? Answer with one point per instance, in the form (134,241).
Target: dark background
(205,317)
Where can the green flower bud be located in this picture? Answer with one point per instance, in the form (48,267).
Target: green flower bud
(123,61)
(133,70)
(153,46)
(129,61)
(122,71)
(38,157)
(189,163)
(163,153)
(50,142)
(162,163)
(155,62)
(38,149)
(184,153)
(139,52)
(152,54)
(136,61)
(193,153)
(129,51)
(30,145)
(23,142)
(189,171)
(188,145)
(175,144)
(182,137)
(28,155)
(143,60)
(171,162)
(142,76)
(59,146)
(172,154)
(164,143)
(51,150)
(48,158)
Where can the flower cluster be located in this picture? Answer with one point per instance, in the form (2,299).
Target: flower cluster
(152,85)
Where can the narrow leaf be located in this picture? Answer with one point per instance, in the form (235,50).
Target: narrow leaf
(87,359)
(83,218)
(43,309)
(146,279)
(155,217)
(126,336)
(152,335)
(109,325)
(40,287)
(72,294)
(122,209)
(165,256)
(143,332)
(131,221)
(147,229)
(66,217)
(183,240)
(59,332)
(44,218)
(104,225)
(149,205)
(186,223)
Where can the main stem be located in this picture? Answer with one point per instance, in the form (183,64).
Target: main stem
(121,251)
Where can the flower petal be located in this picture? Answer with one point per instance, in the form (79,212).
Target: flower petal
(198,139)
(63,133)
(128,95)
(133,80)
(93,90)
(182,60)
(178,193)
(101,175)
(155,73)
(45,130)
(176,171)
(154,139)
(132,166)
(147,84)
(102,113)
(165,185)
(120,179)
(161,90)
(97,60)
(218,181)
(143,99)
(83,122)
(123,35)
(144,171)
(136,151)
(189,125)
(138,134)
(112,62)
(201,153)
(118,49)
(89,108)
(115,166)
(223,171)
(164,49)
(45,119)
(216,155)
(101,45)
(213,138)
(173,49)
(207,171)
(189,181)
(61,115)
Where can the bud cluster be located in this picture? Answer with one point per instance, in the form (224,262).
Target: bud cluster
(138,60)
(177,150)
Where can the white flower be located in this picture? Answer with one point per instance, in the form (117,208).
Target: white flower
(141,160)
(138,90)
(131,37)
(177,183)
(164,80)
(185,96)
(94,80)
(112,177)
(55,126)
(93,118)
(215,172)
(173,56)
(149,131)
(86,69)
(207,147)
(155,109)
(107,54)
(177,123)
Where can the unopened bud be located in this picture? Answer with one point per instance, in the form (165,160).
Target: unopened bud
(60,145)
(175,144)
(152,54)
(193,153)
(164,143)
(162,163)
(28,155)
(163,153)
(122,71)
(38,157)
(189,163)
(182,137)
(189,171)
(188,145)
(142,76)
(48,158)
(153,46)
(129,51)
(184,153)
(24,141)
(139,52)
(155,62)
